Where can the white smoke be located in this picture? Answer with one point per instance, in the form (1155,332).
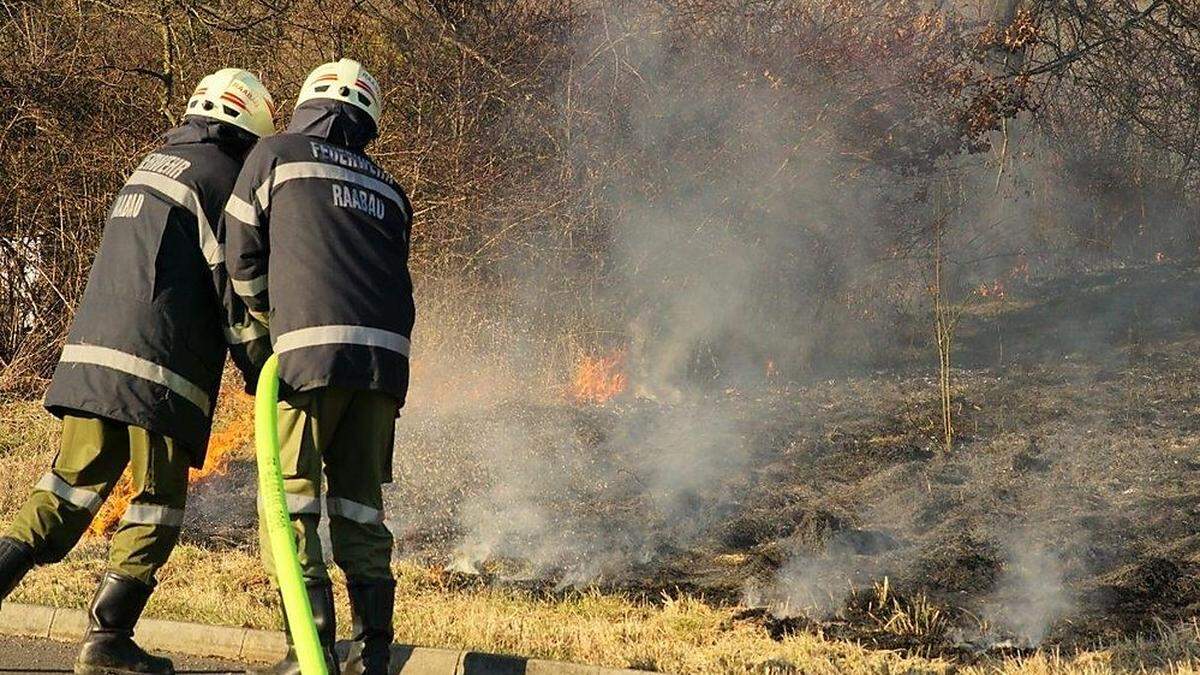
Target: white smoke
(1031,594)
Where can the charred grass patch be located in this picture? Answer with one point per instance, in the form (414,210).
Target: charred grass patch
(1058,536)
(671,634)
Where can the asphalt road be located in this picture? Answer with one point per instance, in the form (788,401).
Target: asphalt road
(23,655)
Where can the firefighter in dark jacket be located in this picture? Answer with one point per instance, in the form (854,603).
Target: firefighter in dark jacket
(139,373)
(333,230)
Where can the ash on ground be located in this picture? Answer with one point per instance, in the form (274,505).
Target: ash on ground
(1067,512)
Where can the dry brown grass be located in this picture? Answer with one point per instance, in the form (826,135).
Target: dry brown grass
(28,438)
(680,635)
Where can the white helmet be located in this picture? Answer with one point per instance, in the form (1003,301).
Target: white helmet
(344,80)
(235,96)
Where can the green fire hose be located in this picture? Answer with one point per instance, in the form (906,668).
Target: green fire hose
(279,523)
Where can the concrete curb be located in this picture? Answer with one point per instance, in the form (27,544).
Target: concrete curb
(260,646)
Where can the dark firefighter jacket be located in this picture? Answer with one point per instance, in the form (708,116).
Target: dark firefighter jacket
(332,229)
(148,342)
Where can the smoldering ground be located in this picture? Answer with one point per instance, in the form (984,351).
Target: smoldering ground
(776,440)
(1066,511)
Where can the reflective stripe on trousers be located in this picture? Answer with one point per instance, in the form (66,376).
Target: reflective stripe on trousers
(84,499)
(298,505)
(351,510)
(303,505)
(153,514)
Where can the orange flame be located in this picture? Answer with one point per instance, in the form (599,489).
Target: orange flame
(226,441)
(599,378)
(222,448)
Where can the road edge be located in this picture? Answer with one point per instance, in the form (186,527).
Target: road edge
(260,646)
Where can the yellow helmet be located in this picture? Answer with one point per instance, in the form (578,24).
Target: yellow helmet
(344,80)
(235,96)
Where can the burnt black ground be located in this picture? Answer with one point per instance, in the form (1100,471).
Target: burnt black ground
(1067,511)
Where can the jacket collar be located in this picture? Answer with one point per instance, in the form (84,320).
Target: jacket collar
(337,122)
(234,140)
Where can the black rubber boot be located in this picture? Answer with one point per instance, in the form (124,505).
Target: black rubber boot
(108,647)
(320,596)
(16,559)
(372,602)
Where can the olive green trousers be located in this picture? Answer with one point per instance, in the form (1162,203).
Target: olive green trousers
(347,435)
(90,461)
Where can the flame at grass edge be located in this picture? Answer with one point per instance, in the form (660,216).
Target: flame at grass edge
(223,447)
(597,379)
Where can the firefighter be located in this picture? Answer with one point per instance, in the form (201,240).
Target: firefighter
(333,230)
(140,370)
